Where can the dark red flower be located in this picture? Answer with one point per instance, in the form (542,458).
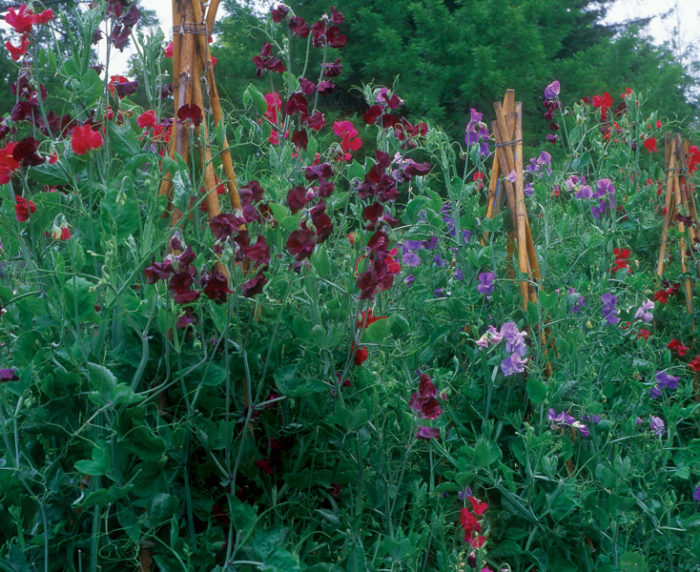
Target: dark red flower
(298,26)
(301,243)
(189,112)
(158,271)
(259,252)
(254,285)
(266,61)
(25,152)
(332,69)
(215,285)
(297,104)
(322,222)
(300,138)
(677,346)
(279,13)
(296,198)
(372,114)
(224,225)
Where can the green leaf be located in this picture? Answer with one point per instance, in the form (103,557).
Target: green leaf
(252,95)
(119,214)
(290,384)
(633,562)
(80,299)
(320,260)
(536,390)
(377,331)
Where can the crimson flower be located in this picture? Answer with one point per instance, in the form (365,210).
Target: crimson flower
(695,364)
(8,375)
(147,119)
(367,318)
(298,26)
(361,355)
(266,61)
(16,52)
(677,346)
(477,506)
(21,20)
(650,145)
(169,50)
(279,13)
(644,334)
(23,208)
(348,134)
(83,138)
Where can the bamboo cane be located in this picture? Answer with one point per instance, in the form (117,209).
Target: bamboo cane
(670,144)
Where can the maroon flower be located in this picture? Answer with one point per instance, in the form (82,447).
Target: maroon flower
(323,34)
(332,69)
(336,17)
(300,138)
(25,152)
(325,87)
(158,271)
(254,285)
(316,121)
(215,285)
(189,317)
(180,287)
(307,86)
(296,198)
(279,13)
(372,114)
(301,243)
(266,61)
(371,213)
(378,242)
(189,112)
(299,26)
(224,225)
(423,401)
(258,252)
(322,222)
(297,104)
(320,171)
(251,192)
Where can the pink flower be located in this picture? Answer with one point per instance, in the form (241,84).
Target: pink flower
(147,119)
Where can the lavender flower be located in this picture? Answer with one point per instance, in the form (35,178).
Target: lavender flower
(458,274)
(656,424)
(540,165)
(413,245)
(580,301)
(466,492)
(410,259)
(467,236)
(605,193)
(428,433)
(563,419)
(513,364)
(696,494)
(663,380)
(552,90)
(643,312)
(528,191)
(585,192)
(486,285)
(446,212)
(515,339)
(439,262)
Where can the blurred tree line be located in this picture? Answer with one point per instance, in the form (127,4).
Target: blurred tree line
(446,56)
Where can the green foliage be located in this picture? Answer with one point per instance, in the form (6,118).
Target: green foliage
(244,431)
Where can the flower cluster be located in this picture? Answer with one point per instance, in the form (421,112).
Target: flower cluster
(643,313)
(551,103)
(22,20)
(564,419)
(424,402)
(515,346)
(540,165)
(381,113)
(471,524)
(621,260)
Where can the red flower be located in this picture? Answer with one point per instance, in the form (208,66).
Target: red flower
(23,208)
(677,346)
(469,523)
(477,542)
(16,52)
(661,296)
(62,233)
(348,133)
(169,50)
(83,138)
(628,92)
(189,113)
(477,506)
(361,355)
(8,163)
(602,101)
(367,318)
(693,158)
(644,334)
(695,364)
(22,20)
(147,119)
(650,144)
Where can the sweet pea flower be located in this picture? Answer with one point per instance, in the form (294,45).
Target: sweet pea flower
(552,90)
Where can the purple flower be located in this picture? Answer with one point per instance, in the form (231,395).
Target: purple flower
(513,364)
(643,312)
(413,245)
(8,375)
(580,301)
(492,336)
(446,212)
(430,243)
(605,192)
(609,310)
(663,380)
(466,492)
(540,165)
(409,279)
(486,285)
(438,292)
(552,90)
(656,424)
(594,419)
(458,274)
(696,494)
(528,191)
(428,433)
(467,235)
(585,192)
(439,262)
(410,259)
(563,419)
(477,132)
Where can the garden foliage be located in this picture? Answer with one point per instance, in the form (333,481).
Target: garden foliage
(360,389)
